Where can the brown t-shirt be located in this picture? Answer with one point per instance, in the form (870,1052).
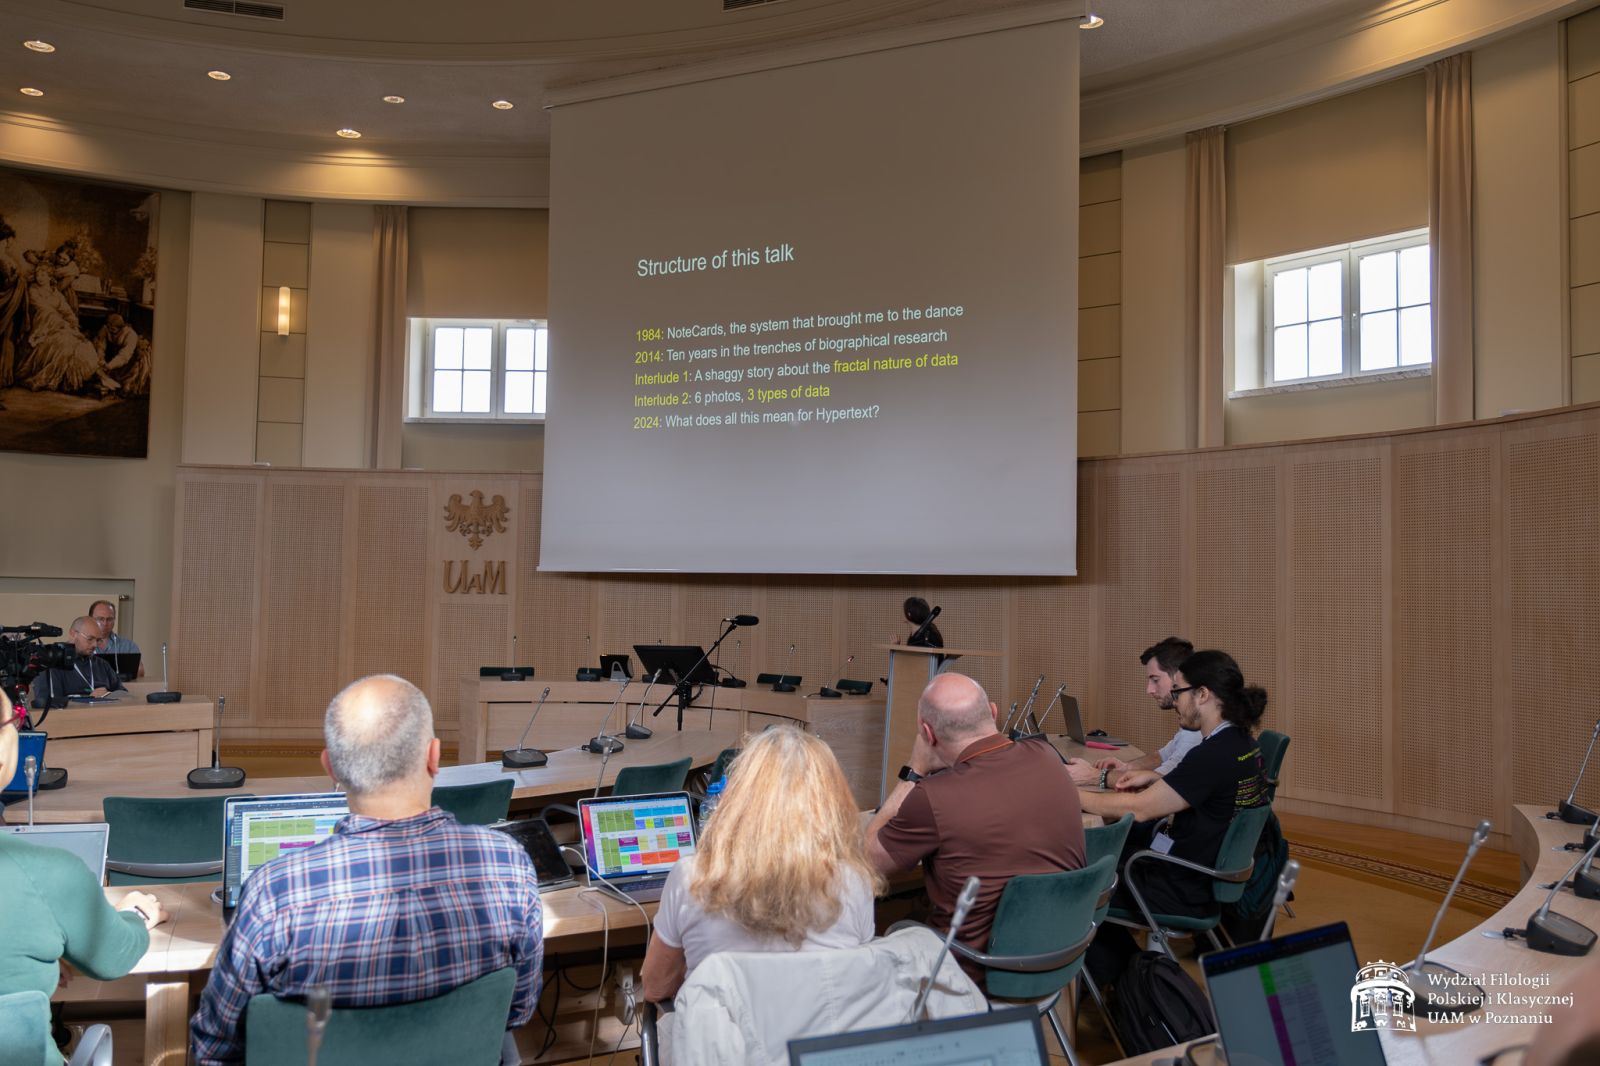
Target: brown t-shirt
(1003,809)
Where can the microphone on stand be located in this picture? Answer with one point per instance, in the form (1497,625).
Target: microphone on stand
(738,652)
(519,757)
(1437,986)
(1045,717)
(30,771)
(318,1004)
(922,630)
(1555,933)
(638,730)
(783,684)
(1010,715)
(587,672)
(964,902)
(215,776)
(1027,708)
(832,693)
(166,695)
(605,757)
(604,743)
(1568,811)
(1286,880)
(513,674)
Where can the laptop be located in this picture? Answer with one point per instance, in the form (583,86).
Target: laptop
(616,667)
(1289,1001)
(86,841)
(126,664)
(536,839)
(1075,731)
(257,829)
(29,742)
(1010,1037)
(633,842)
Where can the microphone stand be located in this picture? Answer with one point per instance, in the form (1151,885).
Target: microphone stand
(638,730)
(1438,986)
(318,1002)
(30,770)
(1553,932)
(519,757)
(681,689)
(1286,880)
(1568,811)
(604,743)
(216,776)
(964,902)
(1027,708)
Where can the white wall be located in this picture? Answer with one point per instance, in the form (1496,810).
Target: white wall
(219,395)
(338,396)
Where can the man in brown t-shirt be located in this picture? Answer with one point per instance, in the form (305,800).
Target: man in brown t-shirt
(975,803)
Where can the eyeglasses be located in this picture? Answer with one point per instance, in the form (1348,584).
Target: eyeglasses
(17,715)
(1174,694)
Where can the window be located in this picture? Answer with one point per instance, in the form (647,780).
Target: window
(474,370)
(1345,312)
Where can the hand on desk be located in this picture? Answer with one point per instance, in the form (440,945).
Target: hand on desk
(99,692)
(1134,780)
(1112,764)
(148,907)
(1082,773)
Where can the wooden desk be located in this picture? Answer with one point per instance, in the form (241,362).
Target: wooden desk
(1443,1044)
(570,772)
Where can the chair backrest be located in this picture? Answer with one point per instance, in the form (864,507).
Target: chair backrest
(1040,913)
(464,1027)
(1103,840)
(25,1029)
(477,804)
(643,780)
(1274,746)
(720,767)
(1238,850)
(184,833)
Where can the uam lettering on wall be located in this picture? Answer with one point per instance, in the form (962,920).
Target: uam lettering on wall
(476,521)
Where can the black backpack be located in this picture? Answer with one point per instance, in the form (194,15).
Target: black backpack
(1158,1005)
(1243,920)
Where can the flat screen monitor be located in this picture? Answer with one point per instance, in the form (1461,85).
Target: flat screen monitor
(676,662)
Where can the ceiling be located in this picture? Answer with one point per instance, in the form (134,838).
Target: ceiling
(141,64)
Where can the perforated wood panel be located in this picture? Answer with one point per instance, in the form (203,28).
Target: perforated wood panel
(465,629)
(301,616)
(554,611)
(633,611)
(389,633)
(873,617)
(214,633)
(1553,571)
(1139,565)
(1053,630)
(1236,572)
(703,601)
(800,611)
(1444,629)
(1335,710)
(974,617)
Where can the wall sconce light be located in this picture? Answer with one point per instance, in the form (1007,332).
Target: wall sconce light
(283,310)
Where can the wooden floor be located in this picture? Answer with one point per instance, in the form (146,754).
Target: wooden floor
(1385,884)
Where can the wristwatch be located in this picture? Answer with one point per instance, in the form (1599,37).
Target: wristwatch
(1105,777)
(908,774)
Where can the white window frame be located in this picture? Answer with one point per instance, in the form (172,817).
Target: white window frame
(1349,257)
(420,404)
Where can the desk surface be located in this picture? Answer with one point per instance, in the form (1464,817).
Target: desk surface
(569,771)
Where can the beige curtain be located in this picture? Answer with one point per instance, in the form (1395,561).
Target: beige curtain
(390,245)
(1450,234)
(1205,237)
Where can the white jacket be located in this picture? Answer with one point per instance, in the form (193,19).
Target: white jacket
(743,1008)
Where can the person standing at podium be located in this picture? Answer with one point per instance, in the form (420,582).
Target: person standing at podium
(917,612)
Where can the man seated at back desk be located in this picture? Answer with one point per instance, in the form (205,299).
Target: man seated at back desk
(85,674)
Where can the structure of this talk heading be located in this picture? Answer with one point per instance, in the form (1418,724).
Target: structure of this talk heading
(723,260)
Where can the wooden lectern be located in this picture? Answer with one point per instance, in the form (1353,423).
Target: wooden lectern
(910,670)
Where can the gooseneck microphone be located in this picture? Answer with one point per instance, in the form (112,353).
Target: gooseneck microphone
(216,776)
(964,902)
(30,771)
(1027,708)
(1555,933)
(1286,880)
(832,693)
(743,620)
(783,684)
(681,689)
(604,743)
(519,757)
(922,630)
(638,730)
(318,1004)
(585,671)
(1569,811)
(1436,986)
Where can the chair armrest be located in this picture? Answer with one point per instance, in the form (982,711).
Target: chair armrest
(1235,876)
(165,869)
(1110,890)
(649,1048)
(1039,963)
(544,812)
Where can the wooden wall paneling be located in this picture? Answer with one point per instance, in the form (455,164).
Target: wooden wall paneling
(1443,636)
(702,601)
(974,617)
(389,566)
(1552,517)
(1232,577)
(216,591)
(633,610)
(1337,691)
(872,617)
(800,611)
(555,611)
(1139,565)
(303,616)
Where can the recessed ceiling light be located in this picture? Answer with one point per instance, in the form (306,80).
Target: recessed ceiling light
(30,91)
(394,99)
(1091,21)
(219,75)
(503,105)
(348,134)
(39,46)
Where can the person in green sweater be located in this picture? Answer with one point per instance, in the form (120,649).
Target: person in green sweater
(56,909)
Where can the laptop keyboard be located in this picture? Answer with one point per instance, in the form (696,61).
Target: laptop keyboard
(646,884)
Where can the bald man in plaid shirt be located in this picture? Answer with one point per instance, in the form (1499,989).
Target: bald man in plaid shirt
(401,903)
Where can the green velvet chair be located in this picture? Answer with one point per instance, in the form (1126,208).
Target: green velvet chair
(1100,842)
(1042,928)
(1235,860)
(464,1027)
(1274,746)
(25,1034)
(164,841)
(636,781)
(476,804)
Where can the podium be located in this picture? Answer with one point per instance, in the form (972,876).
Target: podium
(910,670)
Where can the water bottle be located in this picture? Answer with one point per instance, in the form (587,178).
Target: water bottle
(709,804)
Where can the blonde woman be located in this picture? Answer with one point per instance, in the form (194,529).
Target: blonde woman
(782,866)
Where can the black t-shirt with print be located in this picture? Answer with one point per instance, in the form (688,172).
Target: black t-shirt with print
(1220,775)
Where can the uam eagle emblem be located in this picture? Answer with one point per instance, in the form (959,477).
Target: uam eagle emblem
(475,520)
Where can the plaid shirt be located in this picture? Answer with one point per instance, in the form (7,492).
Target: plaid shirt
(379,913)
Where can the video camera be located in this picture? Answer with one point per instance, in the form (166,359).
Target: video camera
(24,656)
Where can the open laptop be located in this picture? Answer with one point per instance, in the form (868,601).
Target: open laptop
(535,837)
(86,841)
(126,664)
(1000,1038)
(1074,723)
(1287,1001)
(633,842)
(29,742)
(257,829)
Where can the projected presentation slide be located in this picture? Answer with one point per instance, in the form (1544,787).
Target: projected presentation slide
(795,314)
